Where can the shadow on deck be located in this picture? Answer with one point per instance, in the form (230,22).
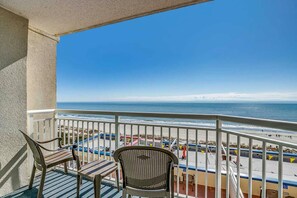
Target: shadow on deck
(57,184)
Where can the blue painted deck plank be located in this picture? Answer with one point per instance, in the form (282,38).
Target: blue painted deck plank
(58,184)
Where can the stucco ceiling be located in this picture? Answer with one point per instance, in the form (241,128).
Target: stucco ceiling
(59,17)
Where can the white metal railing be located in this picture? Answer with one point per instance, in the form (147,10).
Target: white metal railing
(95,135)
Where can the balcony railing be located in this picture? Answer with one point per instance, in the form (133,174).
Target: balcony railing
(99,133)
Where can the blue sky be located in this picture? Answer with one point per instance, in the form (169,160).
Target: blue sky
(221,50)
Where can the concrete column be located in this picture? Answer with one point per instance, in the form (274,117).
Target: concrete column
(27,81)
(41,72)
(41,82)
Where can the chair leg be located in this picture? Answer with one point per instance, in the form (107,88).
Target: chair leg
(172,184)
(32,177)
(78,183)
(97,186)
(168,195)
(65,167)
(118,180)
(124,194)
(42,180)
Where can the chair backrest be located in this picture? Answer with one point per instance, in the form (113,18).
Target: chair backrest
(147,168)
(34,146)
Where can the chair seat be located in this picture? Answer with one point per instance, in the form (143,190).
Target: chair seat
(58,157)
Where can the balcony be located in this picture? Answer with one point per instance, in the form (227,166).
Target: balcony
(60,185)
(251,171)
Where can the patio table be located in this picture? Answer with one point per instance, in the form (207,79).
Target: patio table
(96,171)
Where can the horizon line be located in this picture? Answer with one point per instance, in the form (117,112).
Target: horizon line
(177,101)
(202,98)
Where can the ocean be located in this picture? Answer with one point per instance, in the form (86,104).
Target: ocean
(277,111)
(274,111)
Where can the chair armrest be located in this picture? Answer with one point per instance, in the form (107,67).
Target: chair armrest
(73,147)
(49,149)
(48,141)
(60,148)
(76,157)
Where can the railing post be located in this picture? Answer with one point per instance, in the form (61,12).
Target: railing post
(56,119)
(250,195)
(218,181)
(264,169)
(117,135)
(52,131)
(228,167)
(30,132)
(117,139)
(280,171)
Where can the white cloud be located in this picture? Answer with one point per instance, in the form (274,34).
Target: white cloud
(270,96)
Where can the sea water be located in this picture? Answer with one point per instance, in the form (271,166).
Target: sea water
(274,111)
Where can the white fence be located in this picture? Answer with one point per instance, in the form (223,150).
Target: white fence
(98,137)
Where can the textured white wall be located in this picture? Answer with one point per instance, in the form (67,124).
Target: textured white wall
(13,101)
(27,81)
(13,37)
